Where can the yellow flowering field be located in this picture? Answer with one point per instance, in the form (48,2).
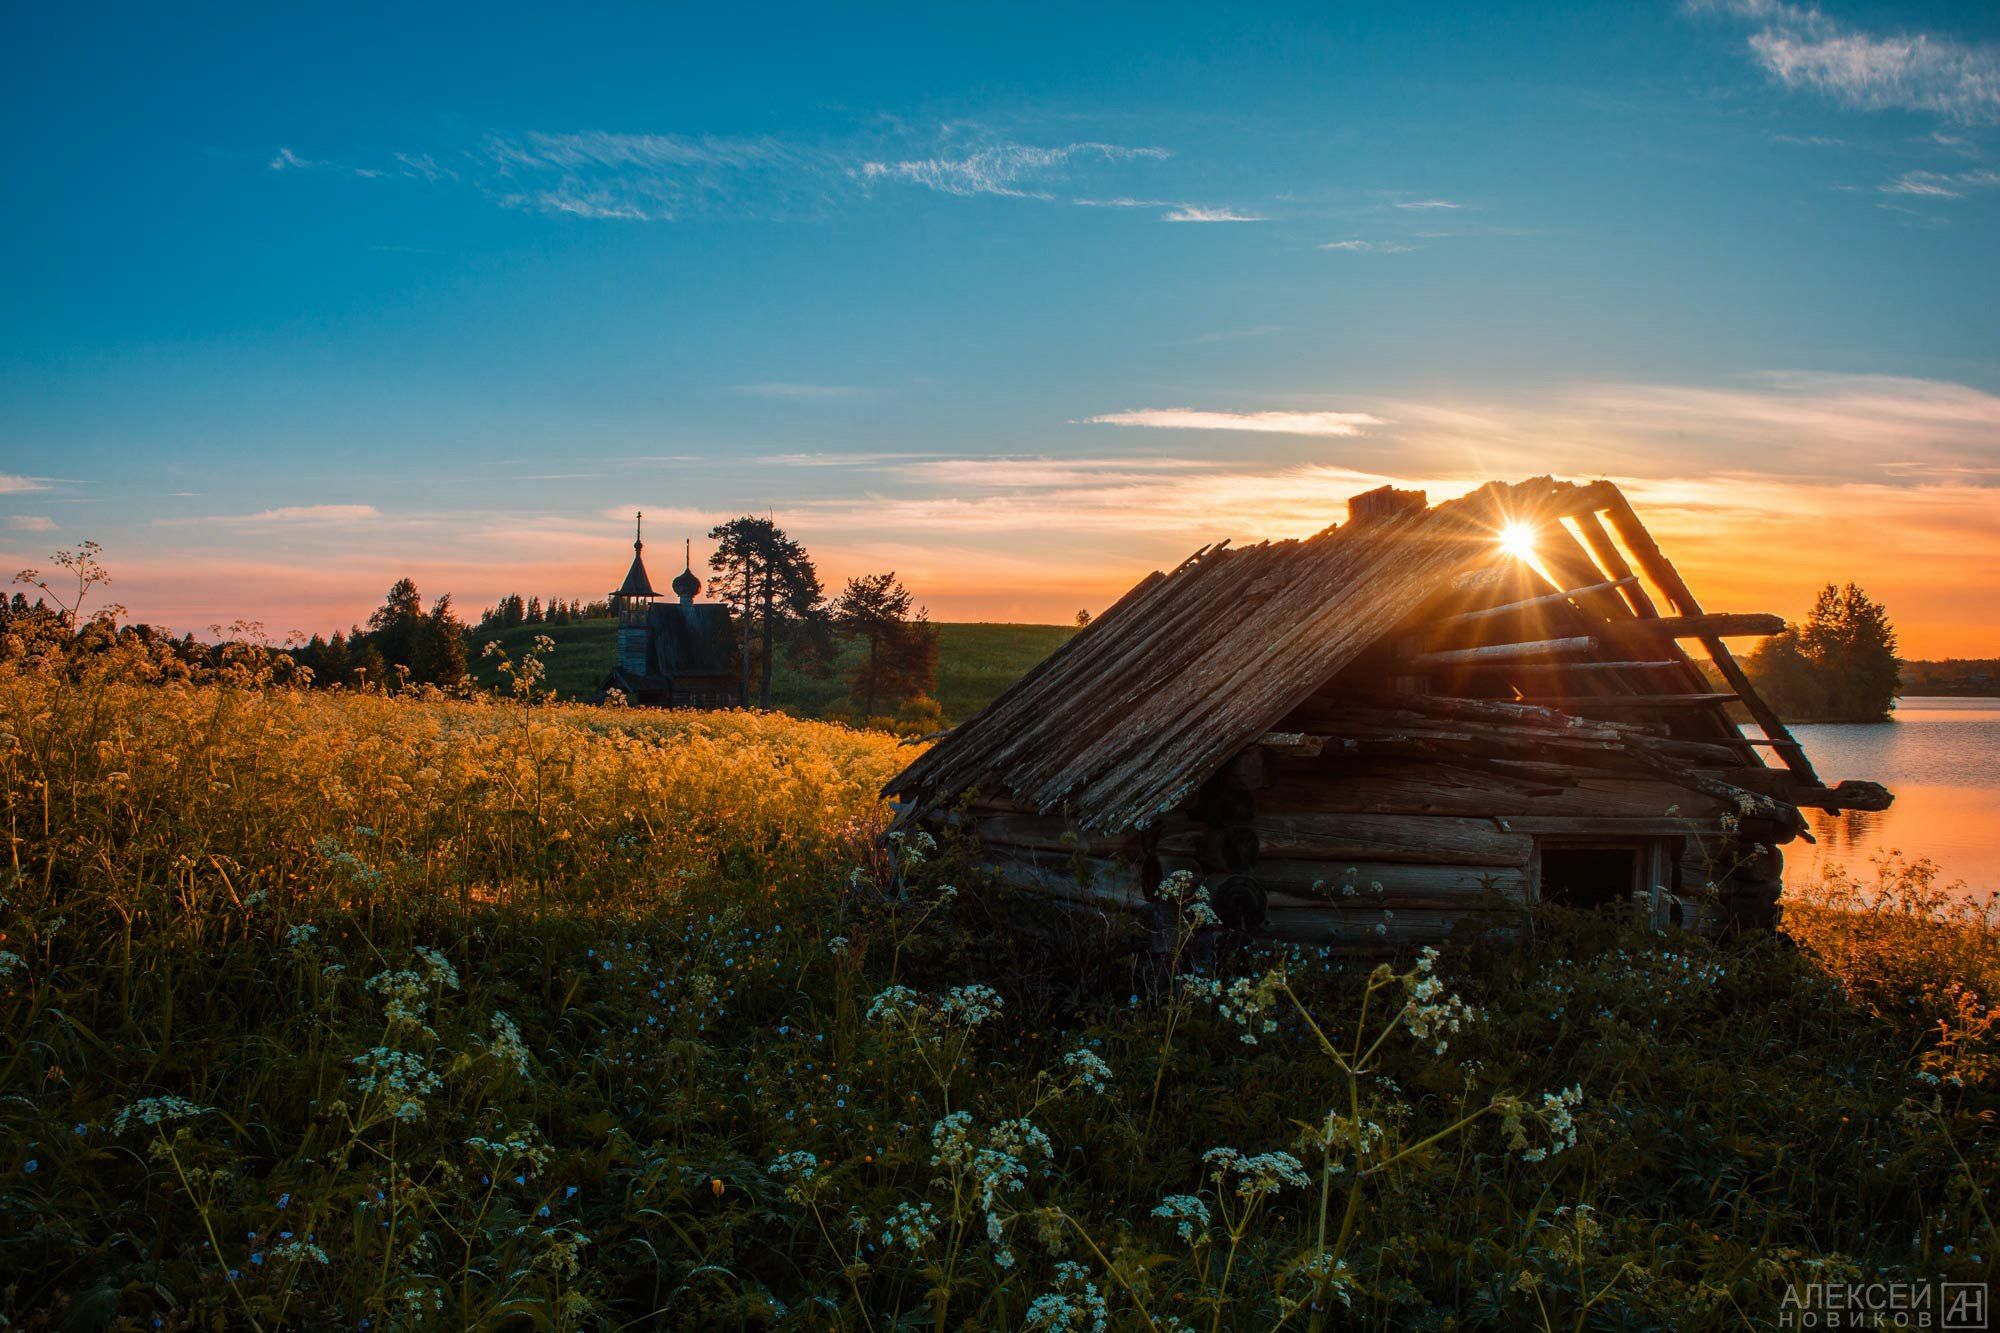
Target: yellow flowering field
(396,1012)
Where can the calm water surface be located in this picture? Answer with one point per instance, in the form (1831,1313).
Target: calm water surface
(1941,757)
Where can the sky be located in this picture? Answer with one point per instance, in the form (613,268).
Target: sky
(1020,302)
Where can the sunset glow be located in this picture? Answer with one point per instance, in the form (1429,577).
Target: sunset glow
(1021,339)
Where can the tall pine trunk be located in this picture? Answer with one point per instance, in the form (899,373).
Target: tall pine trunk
(764,667)
(743,700)
(868,709)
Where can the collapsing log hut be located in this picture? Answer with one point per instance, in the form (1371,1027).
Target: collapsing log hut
(1429,717)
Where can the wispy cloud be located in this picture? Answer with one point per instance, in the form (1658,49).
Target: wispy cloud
(301,515)
(1271,422)
(1942,184)
(1802,47)
(1369,247)
(31,523)
(1174,210)
(856,459)
(1192,213)
(788,389)
(637,177)
(1426,205)
(615,176)
(287,160)
(14,484)
(1010,169)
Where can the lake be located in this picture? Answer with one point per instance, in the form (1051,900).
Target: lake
(1941,757)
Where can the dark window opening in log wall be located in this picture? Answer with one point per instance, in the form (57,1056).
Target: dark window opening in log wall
(1587,878)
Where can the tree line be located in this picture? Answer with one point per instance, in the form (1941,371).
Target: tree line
(513,610)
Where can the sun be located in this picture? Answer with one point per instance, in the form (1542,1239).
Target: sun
(1518,539)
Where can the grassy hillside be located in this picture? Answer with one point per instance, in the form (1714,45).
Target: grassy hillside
(976,661)
(337,1010)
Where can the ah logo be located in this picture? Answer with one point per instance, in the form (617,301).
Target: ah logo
(1964,1305)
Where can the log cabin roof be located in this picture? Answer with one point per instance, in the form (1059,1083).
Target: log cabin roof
(1125,721)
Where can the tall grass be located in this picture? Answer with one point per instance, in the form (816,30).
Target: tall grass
(342,1010)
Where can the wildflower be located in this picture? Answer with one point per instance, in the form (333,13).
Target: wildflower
(837,946)
(153,1111)
(1245,1001)
(1074,1304)
(970,1005)
(301,1252)
(892,1003)
(1089,1070)
(10,963)
(507,1046)
(301,935)
(912,1226)
(401,1077)
(1433,1013)
(405,997)
(1265,1173)
(797,1163)
(1188,1214)
(437,968)
(522,1145)
(30,1166)
(1557,1114)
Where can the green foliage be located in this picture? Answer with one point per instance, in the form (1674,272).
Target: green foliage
(321,1008)
(975,662)
(1839,666)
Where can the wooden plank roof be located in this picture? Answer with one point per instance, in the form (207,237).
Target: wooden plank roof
(1123,722)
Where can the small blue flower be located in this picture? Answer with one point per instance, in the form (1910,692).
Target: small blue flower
(31,1166)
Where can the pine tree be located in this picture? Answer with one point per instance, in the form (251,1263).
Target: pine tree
(900,661)
(770,580)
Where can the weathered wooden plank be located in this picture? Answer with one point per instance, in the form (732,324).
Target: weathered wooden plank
(1626,703)
(1849,795)
(1096,880)
(1301,744)
(1612,561)
(1403,786)
(1612,826)
(1661,570)
(1459,887)
(1488,613)
(1495,652)
(1532,669)
(1718,625)
(1057,833)
(1352,838)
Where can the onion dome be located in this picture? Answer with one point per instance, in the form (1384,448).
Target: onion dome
(686,586)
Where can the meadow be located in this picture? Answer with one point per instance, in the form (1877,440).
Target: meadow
(325,1009)
(976,660)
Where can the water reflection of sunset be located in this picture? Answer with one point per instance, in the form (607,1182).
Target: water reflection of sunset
(1941,757)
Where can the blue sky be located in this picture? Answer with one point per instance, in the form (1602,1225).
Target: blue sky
(1019,301)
